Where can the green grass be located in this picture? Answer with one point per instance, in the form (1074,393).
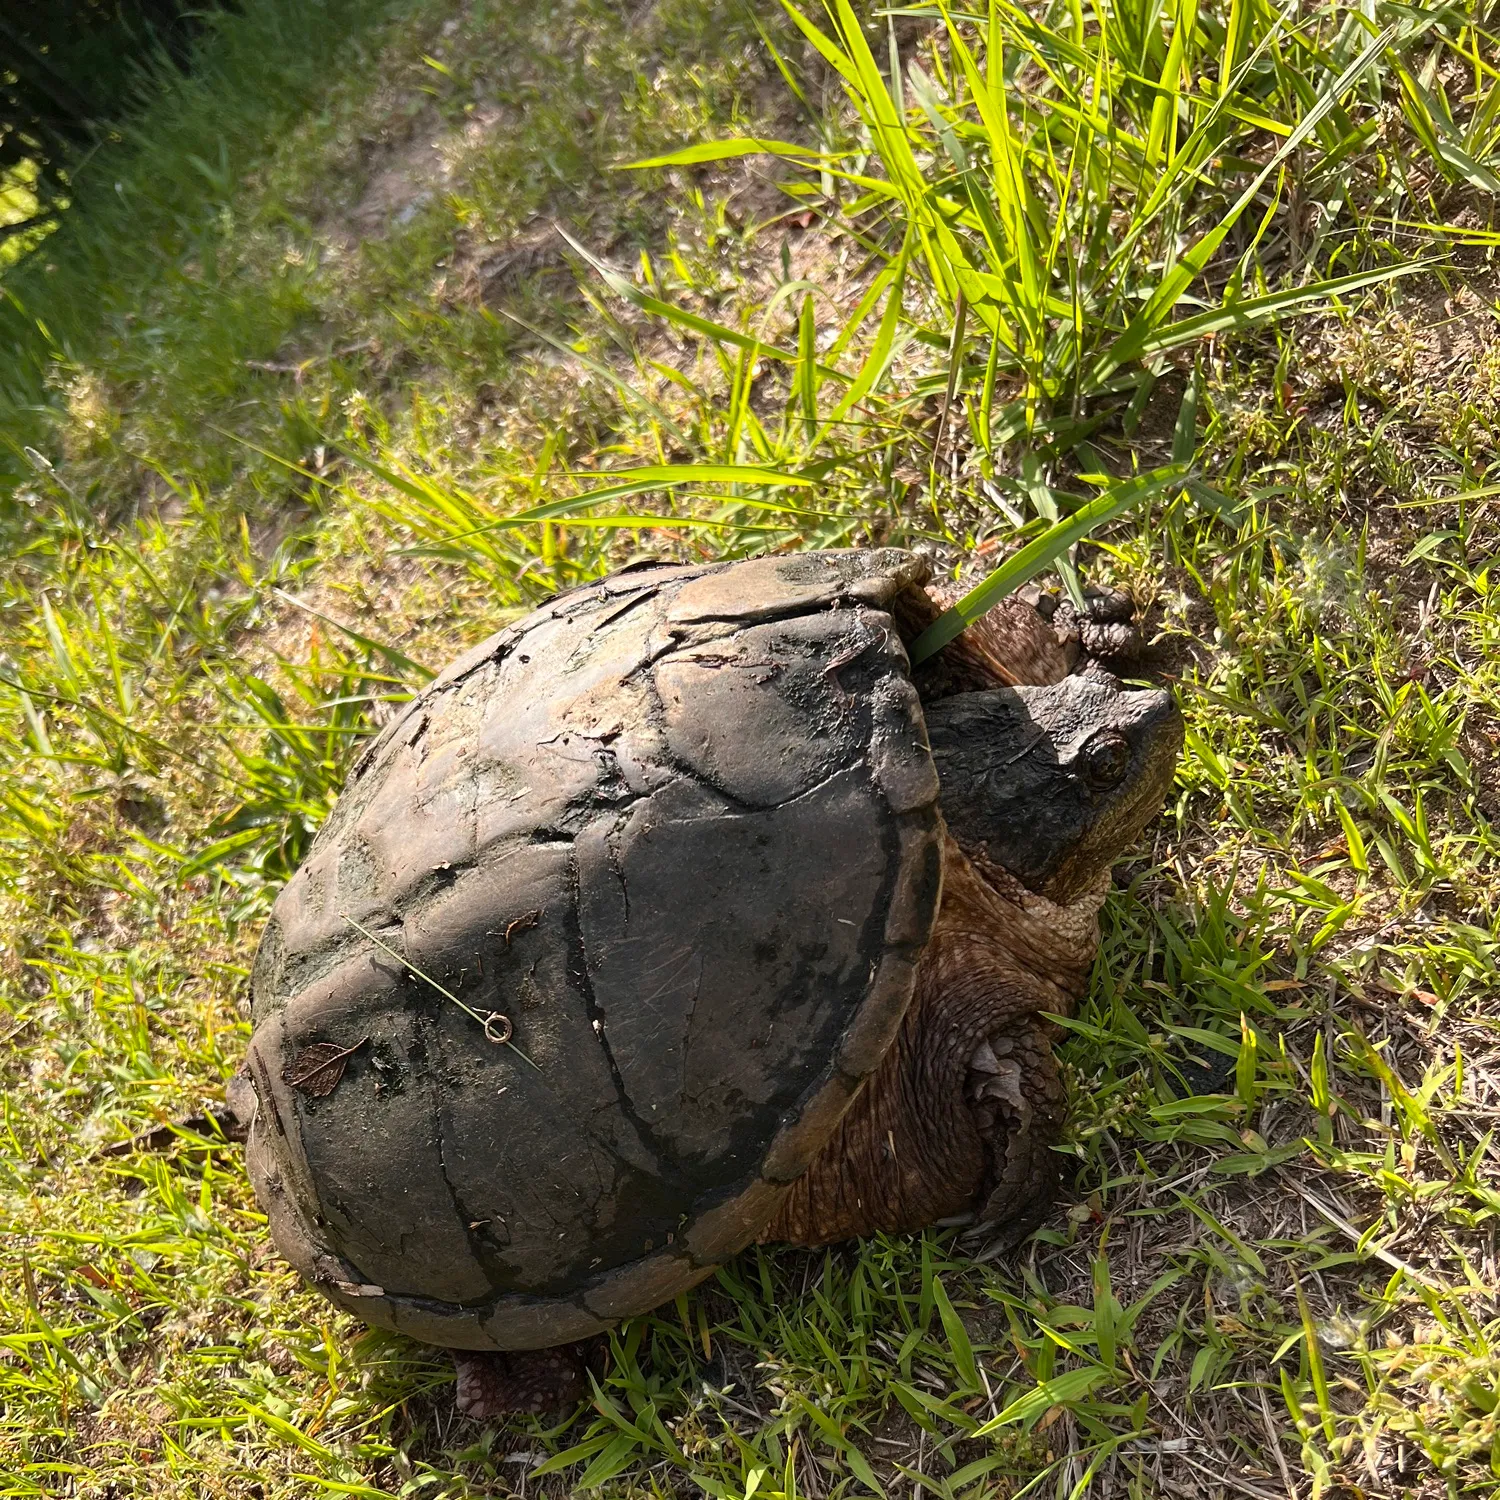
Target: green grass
(295,414)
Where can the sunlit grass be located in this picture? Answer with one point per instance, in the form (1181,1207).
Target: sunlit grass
(19,207)
(303,450)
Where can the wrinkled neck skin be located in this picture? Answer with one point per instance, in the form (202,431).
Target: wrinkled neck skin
(959,1117)
(1054,942)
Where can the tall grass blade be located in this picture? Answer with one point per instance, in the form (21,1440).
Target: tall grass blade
(1040,553)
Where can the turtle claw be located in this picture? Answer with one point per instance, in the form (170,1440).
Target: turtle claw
(535,1382)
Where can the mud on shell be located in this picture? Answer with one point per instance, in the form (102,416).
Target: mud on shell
(680,830)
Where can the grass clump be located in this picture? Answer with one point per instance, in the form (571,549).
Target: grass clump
(343,400)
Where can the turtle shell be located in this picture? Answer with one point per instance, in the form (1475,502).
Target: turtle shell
(595,949)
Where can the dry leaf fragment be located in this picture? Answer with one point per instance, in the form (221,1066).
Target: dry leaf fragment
(317,1069)
(523,923)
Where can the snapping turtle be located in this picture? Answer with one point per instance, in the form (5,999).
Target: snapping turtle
(677,916)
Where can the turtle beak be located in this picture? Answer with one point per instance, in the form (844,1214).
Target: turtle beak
(1157,728)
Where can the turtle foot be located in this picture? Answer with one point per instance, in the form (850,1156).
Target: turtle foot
(537,1382)
(1016,1095)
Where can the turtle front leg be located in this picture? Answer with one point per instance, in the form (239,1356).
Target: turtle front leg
(1015,1094)
(956,1122)
(961,1115)
(539,1382)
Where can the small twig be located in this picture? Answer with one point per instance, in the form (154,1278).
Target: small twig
(1275,1438)
(301,367)
(1224,1476)
(851,653)
(497,1027)
(1026,749)
(274,367)
(1393,1261)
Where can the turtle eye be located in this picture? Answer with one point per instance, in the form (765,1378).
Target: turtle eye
(1104,759)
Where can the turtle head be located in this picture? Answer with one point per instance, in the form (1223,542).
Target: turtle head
(1052,783)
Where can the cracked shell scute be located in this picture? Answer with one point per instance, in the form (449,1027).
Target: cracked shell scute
(676,828)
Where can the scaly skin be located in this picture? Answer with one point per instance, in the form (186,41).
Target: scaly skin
(499,1384)
(961,1115)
